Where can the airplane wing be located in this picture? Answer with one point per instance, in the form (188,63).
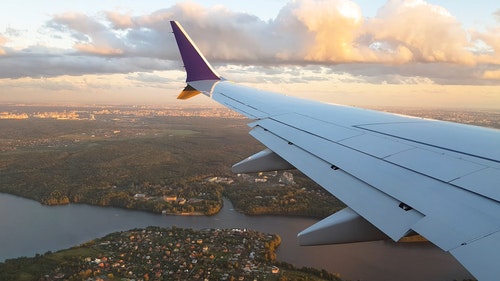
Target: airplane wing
(398,175)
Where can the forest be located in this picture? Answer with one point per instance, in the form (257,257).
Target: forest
(303,198)
(140,162)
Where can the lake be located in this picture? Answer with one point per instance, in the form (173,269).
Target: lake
(27,228)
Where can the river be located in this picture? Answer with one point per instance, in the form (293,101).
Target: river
(27,228)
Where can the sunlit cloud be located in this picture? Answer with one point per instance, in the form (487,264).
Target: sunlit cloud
(415,31)
(406,42)
(3,40)
(119,21)
(333,24)
(491,74)
(490,41)
(93,49)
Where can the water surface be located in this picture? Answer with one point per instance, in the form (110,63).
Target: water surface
(27,228)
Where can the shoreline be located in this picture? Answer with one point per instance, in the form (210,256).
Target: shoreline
(277,214)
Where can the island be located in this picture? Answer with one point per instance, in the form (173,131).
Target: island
(156,253)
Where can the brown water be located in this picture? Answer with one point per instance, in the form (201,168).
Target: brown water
(27,228)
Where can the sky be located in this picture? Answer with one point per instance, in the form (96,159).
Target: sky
(363,53)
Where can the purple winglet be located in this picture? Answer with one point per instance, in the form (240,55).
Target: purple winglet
(196,65)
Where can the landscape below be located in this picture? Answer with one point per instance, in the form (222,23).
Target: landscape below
(169,161)
(163,161)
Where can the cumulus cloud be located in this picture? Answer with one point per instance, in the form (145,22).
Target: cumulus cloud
(406,38)
(333,26)
(415,31)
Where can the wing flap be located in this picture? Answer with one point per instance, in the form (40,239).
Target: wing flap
(387,215)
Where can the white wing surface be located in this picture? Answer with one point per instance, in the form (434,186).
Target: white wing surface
(398,175)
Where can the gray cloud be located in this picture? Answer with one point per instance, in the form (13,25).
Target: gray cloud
(404,40)
(150,78)
(49,65)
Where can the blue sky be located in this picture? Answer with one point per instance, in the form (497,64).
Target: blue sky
(400,51)
(32,13)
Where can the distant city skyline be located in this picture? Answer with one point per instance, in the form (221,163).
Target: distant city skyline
(362,53)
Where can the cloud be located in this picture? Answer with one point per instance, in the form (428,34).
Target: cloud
(415,31)
(97,50)
(91,36)
(328,27)
(490,45)
(3,40)
(119,21)
(151,80)
(51,65)
(491,74)
(408,41)
(411,31)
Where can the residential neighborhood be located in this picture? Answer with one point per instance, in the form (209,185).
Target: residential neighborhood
(177,254)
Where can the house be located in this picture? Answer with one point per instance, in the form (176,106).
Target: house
(170,198)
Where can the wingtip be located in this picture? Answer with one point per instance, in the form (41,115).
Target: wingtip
(197,67)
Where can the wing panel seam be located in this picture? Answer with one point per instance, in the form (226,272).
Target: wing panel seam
(427,144)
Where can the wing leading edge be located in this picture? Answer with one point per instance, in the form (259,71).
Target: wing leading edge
(398,175)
